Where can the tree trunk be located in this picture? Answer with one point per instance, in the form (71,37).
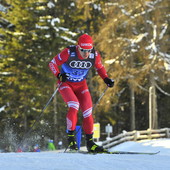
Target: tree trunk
(153,115)
(25,122)
(132,97)
(132,103)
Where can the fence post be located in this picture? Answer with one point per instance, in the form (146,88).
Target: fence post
(136,135)
(149,133)
(167,132)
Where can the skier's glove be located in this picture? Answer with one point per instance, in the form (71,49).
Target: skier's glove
(109,82)
(63,77)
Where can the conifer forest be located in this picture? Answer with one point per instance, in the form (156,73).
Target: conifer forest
(133,38)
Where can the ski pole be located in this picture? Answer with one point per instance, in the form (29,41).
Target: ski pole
(100,98)
(39,116)
(92,110)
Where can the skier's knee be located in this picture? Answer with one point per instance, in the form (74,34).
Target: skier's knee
(73,104)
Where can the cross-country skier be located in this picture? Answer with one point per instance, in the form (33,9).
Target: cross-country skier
(75,62)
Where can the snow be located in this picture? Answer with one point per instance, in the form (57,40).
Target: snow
(54,160)
(50,5)
(165,26)
(55,20)
(2,8)
(2,108)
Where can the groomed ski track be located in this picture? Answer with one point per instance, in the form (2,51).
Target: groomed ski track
(57,160)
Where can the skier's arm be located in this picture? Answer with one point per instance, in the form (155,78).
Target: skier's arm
(99,67)
(102,71)
(58,60)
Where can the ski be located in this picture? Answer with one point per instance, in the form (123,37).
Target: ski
(127,152)
(114,152)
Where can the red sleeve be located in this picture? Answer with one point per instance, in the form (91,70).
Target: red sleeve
(58,60)
(99,66)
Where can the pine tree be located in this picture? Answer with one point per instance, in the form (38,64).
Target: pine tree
(132,38)
(29,41)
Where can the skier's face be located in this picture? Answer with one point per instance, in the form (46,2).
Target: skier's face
(84,52)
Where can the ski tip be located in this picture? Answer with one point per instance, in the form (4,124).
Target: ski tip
(156,152)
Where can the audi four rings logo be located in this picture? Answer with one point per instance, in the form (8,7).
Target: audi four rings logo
(80,64)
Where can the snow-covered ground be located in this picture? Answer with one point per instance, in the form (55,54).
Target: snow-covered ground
(76,161)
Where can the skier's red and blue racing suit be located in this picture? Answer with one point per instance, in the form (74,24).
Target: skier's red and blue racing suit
(75,91)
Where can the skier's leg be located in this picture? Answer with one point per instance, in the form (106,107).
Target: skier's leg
(85,101)
(86,107)
(71,118)
(73,105)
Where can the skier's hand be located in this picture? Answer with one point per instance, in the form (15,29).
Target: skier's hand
(109,82)
(63,77)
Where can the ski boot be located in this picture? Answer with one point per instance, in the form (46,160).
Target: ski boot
(72,145)
(93,147)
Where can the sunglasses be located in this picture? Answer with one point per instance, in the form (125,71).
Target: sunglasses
(85,50)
